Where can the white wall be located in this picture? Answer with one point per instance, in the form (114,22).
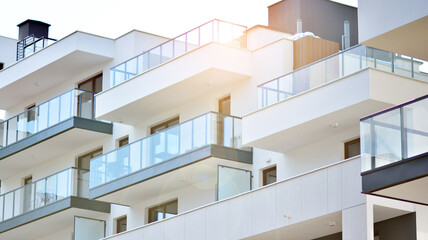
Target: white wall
(381,16)
(7,51)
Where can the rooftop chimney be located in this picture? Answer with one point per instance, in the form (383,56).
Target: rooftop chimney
(30,27)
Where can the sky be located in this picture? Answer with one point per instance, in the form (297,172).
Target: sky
(113,18)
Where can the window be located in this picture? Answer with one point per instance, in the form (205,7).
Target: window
(224,105)
(28,180)
(124,141)
(269,176)
(1,65)
(84,161)
(164,125)
(94,84)
(163,211)
(121,224)
(352,148)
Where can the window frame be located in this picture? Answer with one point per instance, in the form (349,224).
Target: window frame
(164,124)
(163,206)
(93,82)
(120,219)
(266,171)
(347,143)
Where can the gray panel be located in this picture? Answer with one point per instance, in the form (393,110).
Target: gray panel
(395,173)
(322,17)
(217,151)
(74,122)
(58,206)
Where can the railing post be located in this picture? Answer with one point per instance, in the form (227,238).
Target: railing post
(372,144)
(403,135)
(185,44)
(13,204)
(4,203)
(17,128)
(199,36)
(413,71)
(392,62)
(173,48)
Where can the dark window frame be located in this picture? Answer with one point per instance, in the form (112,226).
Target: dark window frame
(93,82)
(163,206)
(91,154)
(266,171)
(28,180)
(346,145)
(123,141)
(118,221)
(221,101)
(164,124)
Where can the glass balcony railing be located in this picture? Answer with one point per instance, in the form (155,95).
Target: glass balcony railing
(69,182)
(210,128)
(30,45)
(75,102)
(394,134)
(336,66)
(213,31)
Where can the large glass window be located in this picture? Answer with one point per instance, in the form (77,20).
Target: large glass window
(163,211)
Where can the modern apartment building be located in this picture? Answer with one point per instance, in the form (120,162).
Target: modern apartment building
(223,132)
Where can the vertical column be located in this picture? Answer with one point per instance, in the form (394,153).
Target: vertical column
(357,223)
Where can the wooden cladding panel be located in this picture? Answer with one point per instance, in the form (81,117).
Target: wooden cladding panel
(311,49)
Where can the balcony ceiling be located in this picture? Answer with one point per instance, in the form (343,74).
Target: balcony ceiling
(408,191)
(410,39)
(48,150)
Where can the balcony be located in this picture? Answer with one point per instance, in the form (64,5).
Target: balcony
(299,207)
(212,31)
(194,146)
(206,58)
(395,144)
(327,97)
(30,45)
(48,130)
(58,197)
(52,65)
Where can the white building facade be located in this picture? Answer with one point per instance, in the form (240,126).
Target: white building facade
(214,134)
